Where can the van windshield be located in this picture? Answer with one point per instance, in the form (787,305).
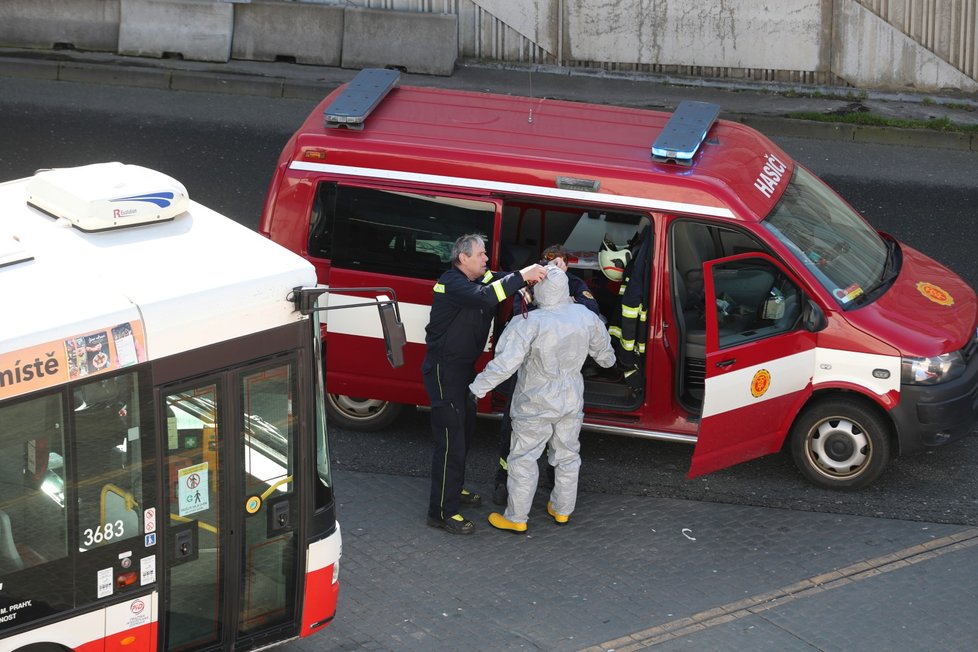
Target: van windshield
(847,256)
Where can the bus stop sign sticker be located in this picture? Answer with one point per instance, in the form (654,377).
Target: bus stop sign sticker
(192,489)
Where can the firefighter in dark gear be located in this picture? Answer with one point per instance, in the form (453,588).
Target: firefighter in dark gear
(523,303)
(462,308)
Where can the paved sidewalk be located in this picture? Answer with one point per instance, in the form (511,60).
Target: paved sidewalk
(631,573)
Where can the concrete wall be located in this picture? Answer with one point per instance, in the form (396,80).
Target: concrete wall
(872,54)
(194,29)
(415,42)
(920,44)
(799,41)
(82,24)
(734,33)
(268,31)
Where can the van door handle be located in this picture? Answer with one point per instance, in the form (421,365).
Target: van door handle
(726,363)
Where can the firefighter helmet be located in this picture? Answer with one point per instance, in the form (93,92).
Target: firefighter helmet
(612,259)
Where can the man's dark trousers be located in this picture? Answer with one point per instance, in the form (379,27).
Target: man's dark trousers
(452,429)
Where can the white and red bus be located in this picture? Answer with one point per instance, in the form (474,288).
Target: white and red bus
(164,471)
(768,313)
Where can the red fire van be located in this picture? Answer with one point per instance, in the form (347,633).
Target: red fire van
(772,315)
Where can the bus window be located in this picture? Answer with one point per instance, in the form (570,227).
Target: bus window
(108,460)
(33,517)
(33,524)
(269,426)
(194,459)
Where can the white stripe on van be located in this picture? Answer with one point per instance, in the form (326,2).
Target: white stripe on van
(853,367)
(364,321)
(517,188)
(732,391)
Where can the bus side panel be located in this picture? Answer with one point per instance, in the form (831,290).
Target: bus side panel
(131,626)
(321,592)
(83,633)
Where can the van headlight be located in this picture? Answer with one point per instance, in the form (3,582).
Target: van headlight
(931,371)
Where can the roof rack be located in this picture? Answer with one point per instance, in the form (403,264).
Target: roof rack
(684,133)
(361,96)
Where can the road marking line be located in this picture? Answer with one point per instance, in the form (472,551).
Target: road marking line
(857,572)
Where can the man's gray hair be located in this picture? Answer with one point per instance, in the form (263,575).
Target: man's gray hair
(466,244)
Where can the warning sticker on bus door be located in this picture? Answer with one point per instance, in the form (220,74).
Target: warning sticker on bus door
(192,489)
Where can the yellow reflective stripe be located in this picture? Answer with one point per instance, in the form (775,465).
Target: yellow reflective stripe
(628,345)
(486,278)
(439,288)
(628,312)
(630,372)
(502,464)
(614,331)
(621,289)
(641,347)
(498,289)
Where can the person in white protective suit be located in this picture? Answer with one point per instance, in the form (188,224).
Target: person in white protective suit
(548,347)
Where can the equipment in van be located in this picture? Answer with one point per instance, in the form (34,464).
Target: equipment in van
(613,259)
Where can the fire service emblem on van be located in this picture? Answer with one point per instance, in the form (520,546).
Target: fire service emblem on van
(935,294)
(760,383)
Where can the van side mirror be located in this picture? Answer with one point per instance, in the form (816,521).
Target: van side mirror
(813,317)
(394,336)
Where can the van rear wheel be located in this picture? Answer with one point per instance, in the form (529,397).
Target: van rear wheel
(355,413)
(840,443)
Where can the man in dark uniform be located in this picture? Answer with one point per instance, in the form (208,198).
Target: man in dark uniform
(462,308)
(522,304)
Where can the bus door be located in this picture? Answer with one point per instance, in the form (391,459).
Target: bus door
(760,358)
(230,446)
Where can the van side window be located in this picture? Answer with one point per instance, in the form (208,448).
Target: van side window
(754,299)
(400,233)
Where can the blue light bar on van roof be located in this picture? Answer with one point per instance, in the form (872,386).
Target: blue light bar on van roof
(685,132)
(361,96)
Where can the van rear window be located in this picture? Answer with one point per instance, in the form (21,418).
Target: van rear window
(389,232)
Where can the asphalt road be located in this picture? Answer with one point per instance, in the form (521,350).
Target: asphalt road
(223,147)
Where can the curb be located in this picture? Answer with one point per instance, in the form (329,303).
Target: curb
(179,79)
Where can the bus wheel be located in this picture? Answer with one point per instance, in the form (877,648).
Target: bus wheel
(360,413)
(840,443)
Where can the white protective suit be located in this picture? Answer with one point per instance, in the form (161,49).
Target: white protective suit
(548,346)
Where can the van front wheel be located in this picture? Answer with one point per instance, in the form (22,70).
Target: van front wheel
(840,443)
(354,413)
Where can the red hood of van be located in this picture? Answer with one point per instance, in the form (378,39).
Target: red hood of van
(929,310)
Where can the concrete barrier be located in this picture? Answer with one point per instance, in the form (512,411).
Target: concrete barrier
(415,42)
(871,53)
(198,30)
(46,24)
(306,33)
